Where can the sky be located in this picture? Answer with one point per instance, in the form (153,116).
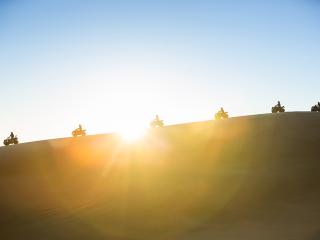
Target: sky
(115,64)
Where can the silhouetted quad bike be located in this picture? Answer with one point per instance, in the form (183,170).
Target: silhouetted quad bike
(277,109)
(315,108)
(9,141)
(78,132)
(221,115)
(156,123)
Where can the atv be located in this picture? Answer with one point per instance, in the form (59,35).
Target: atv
(10,140)
(79,132)
(221,115)
(277,109)
(156,122)
(316,108)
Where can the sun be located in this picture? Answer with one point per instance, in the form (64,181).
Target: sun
(132,133)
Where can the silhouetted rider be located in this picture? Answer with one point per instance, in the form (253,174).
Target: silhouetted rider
(11,135)
(80,127)
(222,110)
(279,104)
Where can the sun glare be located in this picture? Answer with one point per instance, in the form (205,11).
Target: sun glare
(132,134)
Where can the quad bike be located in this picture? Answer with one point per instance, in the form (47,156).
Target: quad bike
(316,108)
(79,132)
(156,122)
(10,140)
(221,115)
(277,109)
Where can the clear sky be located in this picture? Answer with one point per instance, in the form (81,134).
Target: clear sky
(107,64)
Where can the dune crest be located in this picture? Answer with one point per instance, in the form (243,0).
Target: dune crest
(253,177)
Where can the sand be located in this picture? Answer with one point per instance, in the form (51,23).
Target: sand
(252,177)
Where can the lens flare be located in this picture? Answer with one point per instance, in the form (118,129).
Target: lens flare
(131,133)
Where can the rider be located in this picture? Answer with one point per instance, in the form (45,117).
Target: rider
(278,105)
(221,110)
(80,127)
(11,135)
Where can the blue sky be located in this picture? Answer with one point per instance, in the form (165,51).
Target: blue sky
(107,64)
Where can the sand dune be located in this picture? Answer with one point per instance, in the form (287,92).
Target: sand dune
(254,177)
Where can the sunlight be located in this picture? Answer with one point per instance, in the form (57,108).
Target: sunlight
(132,133)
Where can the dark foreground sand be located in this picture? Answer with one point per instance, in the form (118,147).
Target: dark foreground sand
(255,177)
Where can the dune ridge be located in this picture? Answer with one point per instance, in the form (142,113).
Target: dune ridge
(251,177)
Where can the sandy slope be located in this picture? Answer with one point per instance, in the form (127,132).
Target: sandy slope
(255,177)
